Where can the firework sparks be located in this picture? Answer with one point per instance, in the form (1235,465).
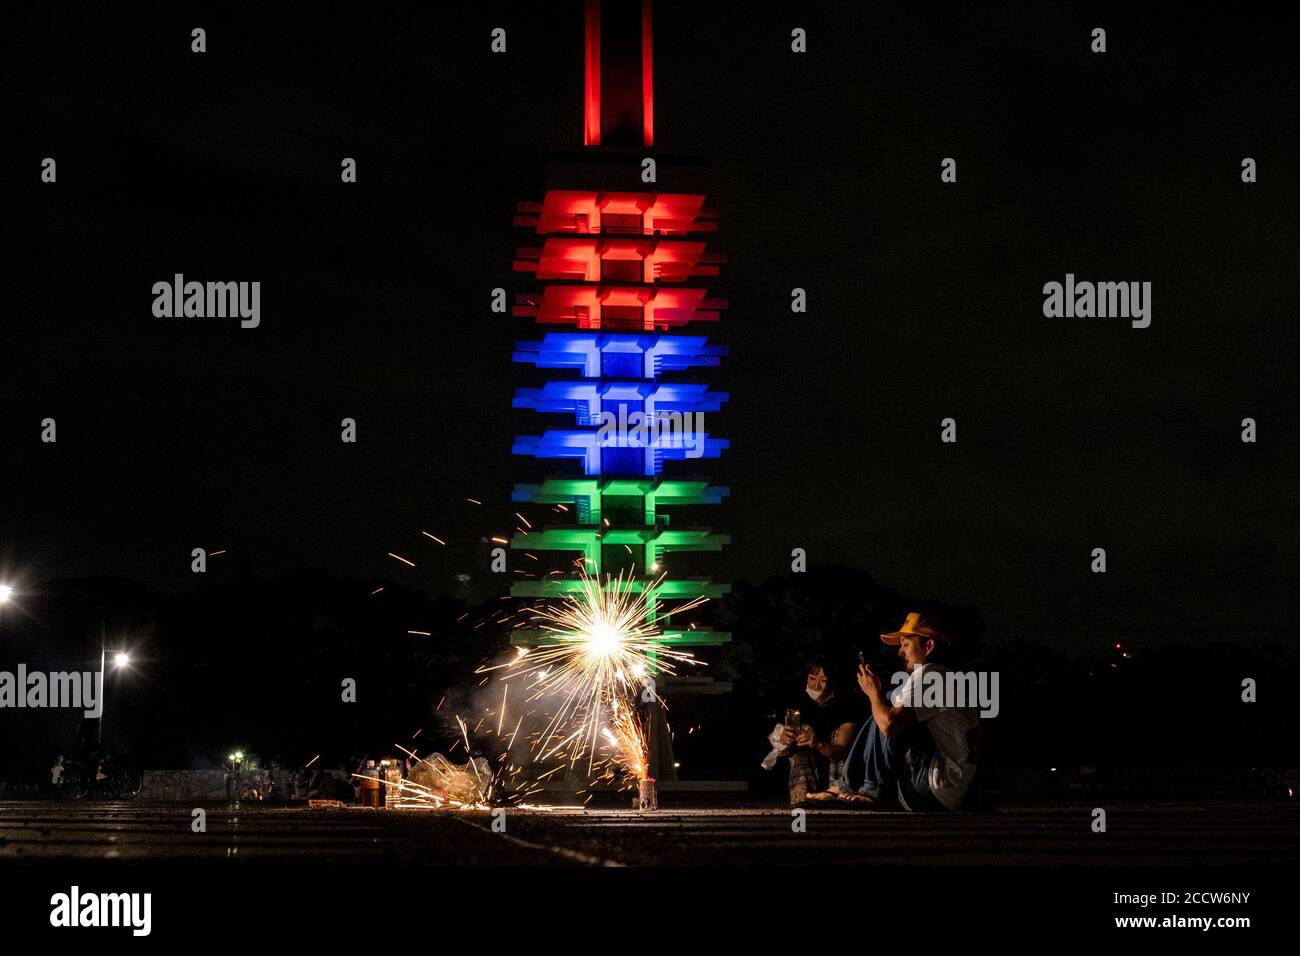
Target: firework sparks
(627,733)
(601,653)
(591,677)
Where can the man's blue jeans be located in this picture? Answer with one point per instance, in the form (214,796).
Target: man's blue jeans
(894,770)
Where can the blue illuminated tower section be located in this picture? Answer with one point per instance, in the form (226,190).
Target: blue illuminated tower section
(621,304)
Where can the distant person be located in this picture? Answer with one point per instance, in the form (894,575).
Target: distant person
(370,784)
(818,745)
(87,741)
(908,755)
(302,783)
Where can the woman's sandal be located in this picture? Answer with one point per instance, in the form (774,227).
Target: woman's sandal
(822,796)
(862,801)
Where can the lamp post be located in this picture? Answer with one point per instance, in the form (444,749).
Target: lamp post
(120,659)
(103,685)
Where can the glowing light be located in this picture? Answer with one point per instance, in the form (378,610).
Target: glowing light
(591,99)
(602,649)
(121,659)
(6,592)
(647,78)
(602,642)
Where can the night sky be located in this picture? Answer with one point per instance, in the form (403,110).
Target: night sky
(925,298)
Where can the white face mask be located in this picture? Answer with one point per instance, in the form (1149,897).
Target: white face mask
(814,694)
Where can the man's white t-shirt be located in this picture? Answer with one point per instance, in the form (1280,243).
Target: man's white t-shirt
(955,731)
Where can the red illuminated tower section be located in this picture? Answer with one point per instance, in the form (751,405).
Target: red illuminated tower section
(619,88)
(621,295)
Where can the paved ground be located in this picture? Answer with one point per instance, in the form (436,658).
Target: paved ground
(1223,833)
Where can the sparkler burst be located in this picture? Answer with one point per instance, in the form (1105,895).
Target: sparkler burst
(602,651)
(585,691)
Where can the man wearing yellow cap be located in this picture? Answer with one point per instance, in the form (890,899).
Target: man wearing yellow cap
(919,757)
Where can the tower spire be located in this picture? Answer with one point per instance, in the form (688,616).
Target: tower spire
(619,83)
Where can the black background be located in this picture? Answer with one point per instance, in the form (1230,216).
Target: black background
(925,298)
(925,302)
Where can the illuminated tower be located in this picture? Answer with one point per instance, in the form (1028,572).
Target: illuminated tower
(621,274)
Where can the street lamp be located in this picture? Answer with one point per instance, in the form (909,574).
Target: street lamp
(120,660)
(6,592)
